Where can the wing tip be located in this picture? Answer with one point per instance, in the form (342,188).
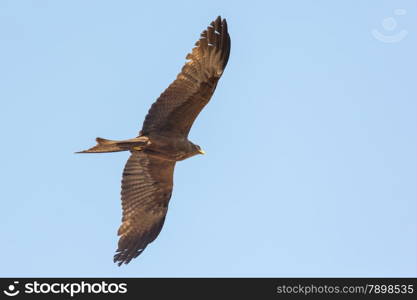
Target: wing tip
(219,25)
(124,256)
(215,35)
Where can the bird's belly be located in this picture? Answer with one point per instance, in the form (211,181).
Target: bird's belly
(176,156)
(167,148)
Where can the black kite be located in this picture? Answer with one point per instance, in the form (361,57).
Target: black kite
(148,175)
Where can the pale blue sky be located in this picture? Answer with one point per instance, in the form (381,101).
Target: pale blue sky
(310,138)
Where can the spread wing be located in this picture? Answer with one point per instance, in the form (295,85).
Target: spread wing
(178,106)
(146,189)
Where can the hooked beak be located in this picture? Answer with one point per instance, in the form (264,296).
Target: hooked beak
(201,151)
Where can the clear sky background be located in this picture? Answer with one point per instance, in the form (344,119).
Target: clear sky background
(310,138)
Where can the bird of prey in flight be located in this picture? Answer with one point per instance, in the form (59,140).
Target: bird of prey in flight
(147,179)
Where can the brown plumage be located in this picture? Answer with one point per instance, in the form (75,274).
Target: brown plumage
(148,175)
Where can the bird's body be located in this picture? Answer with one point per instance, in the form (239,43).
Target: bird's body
(172,149)
(147,180)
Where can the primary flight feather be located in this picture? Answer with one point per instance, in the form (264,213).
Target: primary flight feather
(147,179)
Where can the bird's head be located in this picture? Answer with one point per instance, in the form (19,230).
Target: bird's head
(197,150)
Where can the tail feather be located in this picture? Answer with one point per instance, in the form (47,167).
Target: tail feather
(104,145)
(100,140)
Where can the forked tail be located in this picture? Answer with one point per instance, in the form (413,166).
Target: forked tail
(104,145)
